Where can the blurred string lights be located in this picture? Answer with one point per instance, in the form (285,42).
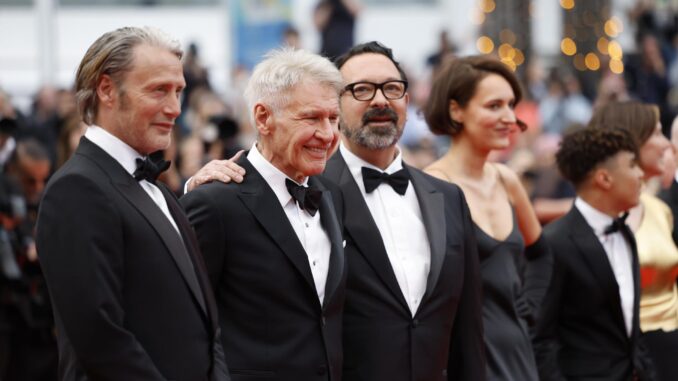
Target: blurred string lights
(589,36)
(502,32)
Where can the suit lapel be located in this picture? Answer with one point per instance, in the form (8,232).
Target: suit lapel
(635,268)
(262,202)
(329,221)
(360,225)
(594,254)
(193,250)
(432,206)
(133,192)
(140,200)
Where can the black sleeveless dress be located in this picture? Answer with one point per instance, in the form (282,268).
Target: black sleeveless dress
(507,341)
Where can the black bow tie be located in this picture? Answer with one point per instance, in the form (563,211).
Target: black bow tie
(150,167)
(398,180)
(617,224)
(308,198)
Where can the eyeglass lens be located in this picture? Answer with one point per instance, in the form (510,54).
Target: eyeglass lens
(364,91)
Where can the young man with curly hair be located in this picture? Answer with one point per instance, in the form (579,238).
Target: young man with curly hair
(588,326)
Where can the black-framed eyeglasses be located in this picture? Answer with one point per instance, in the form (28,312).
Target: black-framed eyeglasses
(365,91)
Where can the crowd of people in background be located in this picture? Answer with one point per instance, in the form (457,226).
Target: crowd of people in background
(215,126)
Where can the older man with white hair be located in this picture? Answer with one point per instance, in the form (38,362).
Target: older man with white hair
(273,243)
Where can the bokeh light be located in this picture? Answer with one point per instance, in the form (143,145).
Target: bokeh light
(592,61)
(487,5)
(602,45)
(485,45)
(506,51)
(567,4)
(510,63)
(616,66)
(568,46)
(613,27)
(615,50)
(519,58)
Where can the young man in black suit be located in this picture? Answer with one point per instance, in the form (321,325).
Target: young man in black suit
(589,327)
(413,308)
(273,243)
(131,298)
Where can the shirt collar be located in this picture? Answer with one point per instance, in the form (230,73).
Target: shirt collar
(595,218)
(355,163)
(273,176)
(116,148)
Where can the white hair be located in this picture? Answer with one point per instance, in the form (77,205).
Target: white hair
(282,70)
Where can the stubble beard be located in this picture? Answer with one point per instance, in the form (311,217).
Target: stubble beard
(373,138)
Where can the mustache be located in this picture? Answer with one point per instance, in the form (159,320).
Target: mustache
(380,113)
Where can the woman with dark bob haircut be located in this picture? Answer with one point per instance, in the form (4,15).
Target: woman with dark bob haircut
(652,223)
(472,100)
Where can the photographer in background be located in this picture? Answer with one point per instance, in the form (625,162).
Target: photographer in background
(27,345)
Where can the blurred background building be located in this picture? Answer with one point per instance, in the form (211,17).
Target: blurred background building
(43,40)
(570,55)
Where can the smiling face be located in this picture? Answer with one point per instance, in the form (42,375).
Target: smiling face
(299,138)
(144,106)
(377,123)
(489,117)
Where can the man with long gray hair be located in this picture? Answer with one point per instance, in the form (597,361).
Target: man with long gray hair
(273,244)
(131,297)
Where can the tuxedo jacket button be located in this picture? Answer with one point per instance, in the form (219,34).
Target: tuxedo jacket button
(415,323)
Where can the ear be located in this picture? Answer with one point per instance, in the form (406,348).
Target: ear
(263,119)
(456,112)
(107,91)
(603,179)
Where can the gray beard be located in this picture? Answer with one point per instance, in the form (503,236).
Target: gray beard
(375,139)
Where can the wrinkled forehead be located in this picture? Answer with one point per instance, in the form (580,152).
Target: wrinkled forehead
(311,94)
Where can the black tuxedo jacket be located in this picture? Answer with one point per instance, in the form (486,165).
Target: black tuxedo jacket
(382,340)
(131,297)
(274,327)
(581,334)
(670,197)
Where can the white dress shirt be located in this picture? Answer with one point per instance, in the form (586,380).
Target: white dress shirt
(618,253)
(127,156)
(402,229)
(308,228)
